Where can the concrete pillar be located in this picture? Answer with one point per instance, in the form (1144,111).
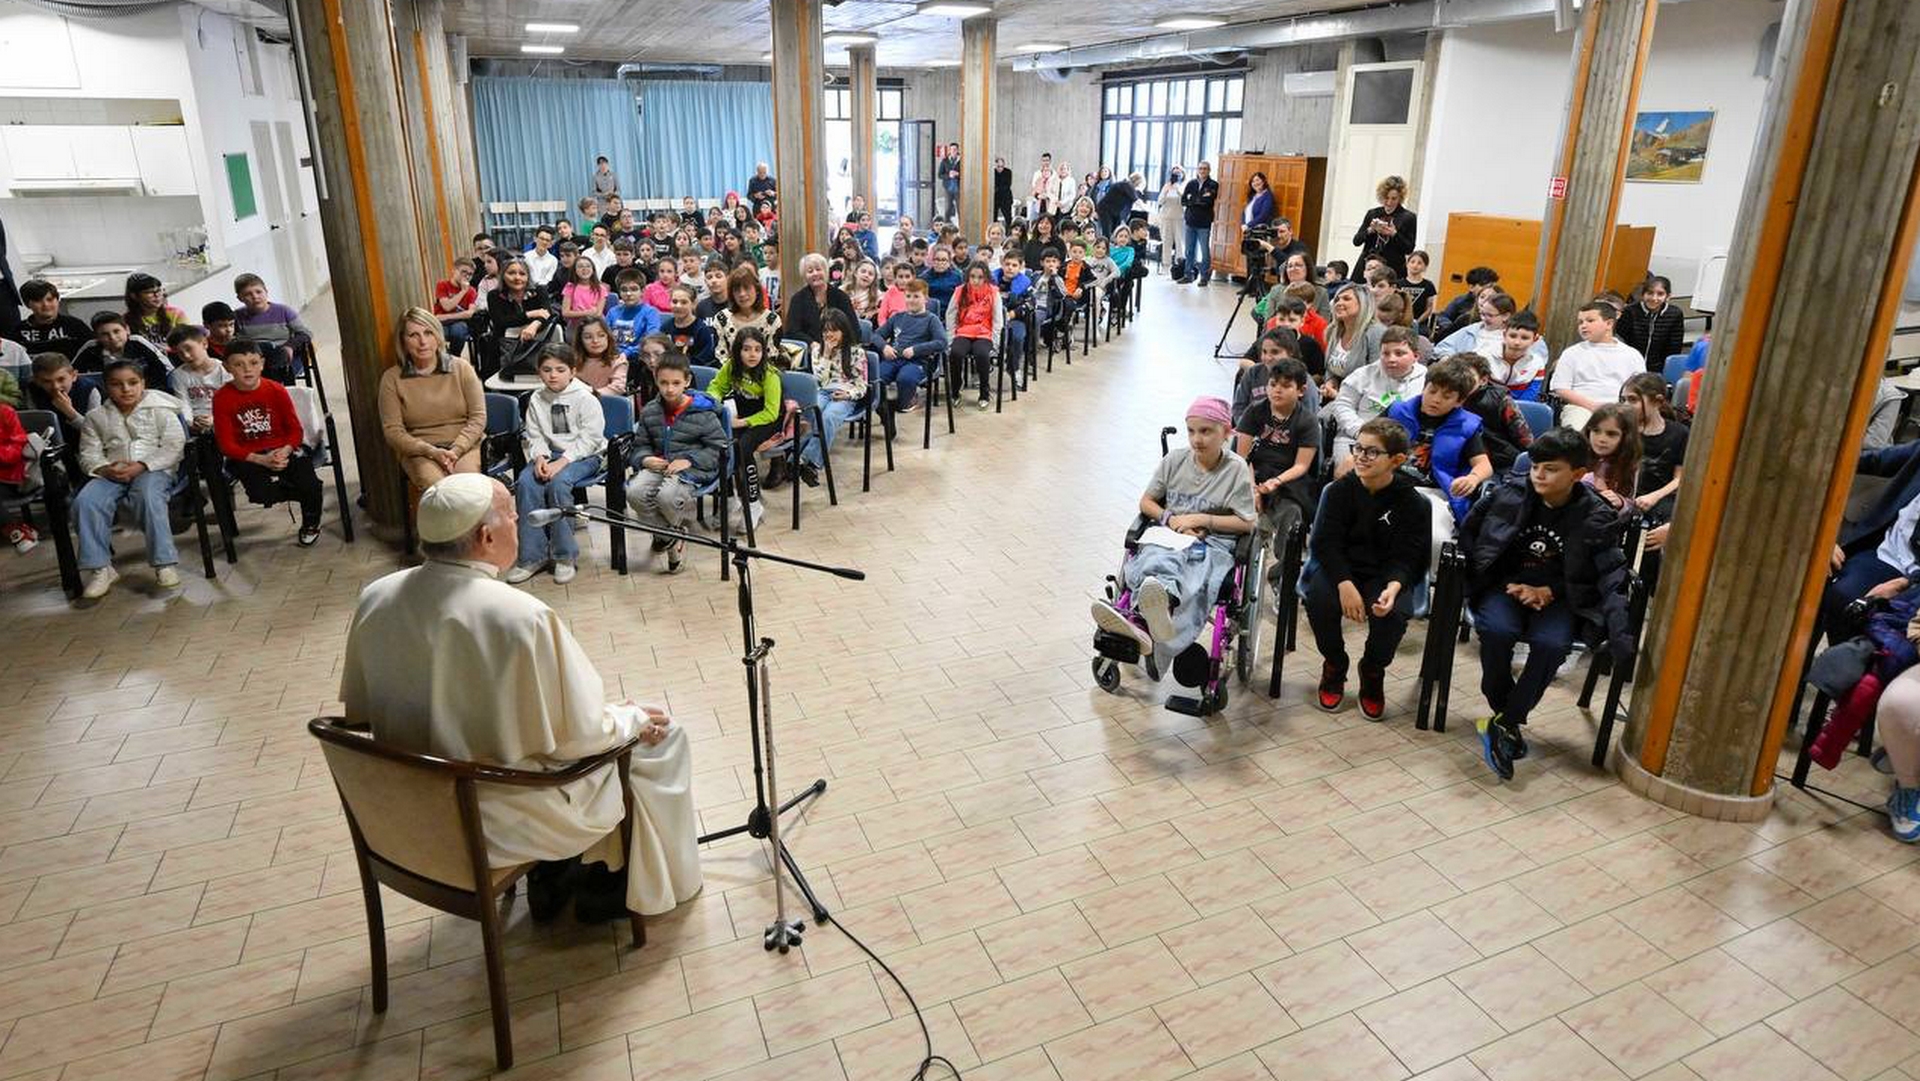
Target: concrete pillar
(367,214)
(463,217)
(460,94)
(1788,386)
(978,45)
(799,150)
(424,101)
(864,92)
(1578,229)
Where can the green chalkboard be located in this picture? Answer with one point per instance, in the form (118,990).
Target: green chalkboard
(240,185)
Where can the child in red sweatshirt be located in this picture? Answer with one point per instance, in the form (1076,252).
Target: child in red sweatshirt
(13,477)
(258,431)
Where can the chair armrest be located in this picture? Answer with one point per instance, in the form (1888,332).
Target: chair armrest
(358,735)
(1140,525)
(528,778)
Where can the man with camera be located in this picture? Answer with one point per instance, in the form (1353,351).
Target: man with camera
(1269,247)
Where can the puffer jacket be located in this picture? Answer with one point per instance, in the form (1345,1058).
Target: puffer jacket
(1596,564)
(699,435)
(151,434)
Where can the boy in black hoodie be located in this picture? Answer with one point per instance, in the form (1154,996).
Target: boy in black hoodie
(1371,541)
(1543,554)
(1502,428)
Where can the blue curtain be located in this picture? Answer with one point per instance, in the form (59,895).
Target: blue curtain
(702,138)
(537,138)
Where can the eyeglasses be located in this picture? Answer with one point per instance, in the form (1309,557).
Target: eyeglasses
(1368,454)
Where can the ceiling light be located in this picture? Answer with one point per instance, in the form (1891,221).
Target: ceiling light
(958,9)
(850,37)
(766,58)
(941,64)
(1189,22)
(1040,47)
(544,50)
(553,28)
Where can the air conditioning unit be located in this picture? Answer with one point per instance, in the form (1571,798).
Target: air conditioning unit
(1051,75)
(1308,84)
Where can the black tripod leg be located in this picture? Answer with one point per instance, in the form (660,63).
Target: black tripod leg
(820,914)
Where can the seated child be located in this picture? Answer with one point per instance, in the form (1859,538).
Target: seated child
(46,328)
(911,343)
(1502,428)
(1370,547)
(749,379)
(1268,350)
(840,364)
(679,445)
(1370,390)
(632,318)
(220,320)
(1416,284)
(129,450)
(689,335)
(1520,358)
(596,362)
(1663,446)
(1077,274)
(258,431)
(1591,371)
(1016,286)
(53,386)
(16,371)
(1100,261)
(1280,435)
(894,300)
(196,375)
(112,340)
(1613,450)
(942,276)
(1444,437)
(1542,555)
(1202,490)
(16,453)
(1292,313)
(273,324)
(1052,307)
(564,435)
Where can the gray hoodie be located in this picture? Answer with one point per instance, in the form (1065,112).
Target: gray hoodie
(1368,392)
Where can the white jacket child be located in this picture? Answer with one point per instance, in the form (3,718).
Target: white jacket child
(568,424)
(151,434)
(1368,392)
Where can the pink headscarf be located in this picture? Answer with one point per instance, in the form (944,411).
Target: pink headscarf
(1212,409)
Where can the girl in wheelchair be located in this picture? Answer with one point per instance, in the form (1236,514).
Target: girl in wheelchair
(1201,496)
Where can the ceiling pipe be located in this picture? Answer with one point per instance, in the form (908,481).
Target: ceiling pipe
(1418,16)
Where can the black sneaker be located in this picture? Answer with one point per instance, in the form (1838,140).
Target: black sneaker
(1516,739)
(776,474)
(550,887)
(809,474)
(1333,687)
(661,544)
(1495,746)
(309,536)
(1373,692)
(600,896)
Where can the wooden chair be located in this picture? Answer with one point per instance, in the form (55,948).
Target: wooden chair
(415,821)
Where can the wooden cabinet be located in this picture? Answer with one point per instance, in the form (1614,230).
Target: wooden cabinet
(1511,246)
(1298,185)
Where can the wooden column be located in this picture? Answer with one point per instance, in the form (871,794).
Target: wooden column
(1607,65)
(463,213)
(1784,406)
(799,152)
(367,214)
(864,92)
(423,103)
(465,143)
(978,44)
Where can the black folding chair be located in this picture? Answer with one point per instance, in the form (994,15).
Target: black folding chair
(53,496)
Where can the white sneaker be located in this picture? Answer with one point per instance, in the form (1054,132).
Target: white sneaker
(166,577)
(758,510)
(1568,665)
(563,573)
(1113,621)
(1155,605)
(1903,813)
(1520,652)
(101,581)
(521,572)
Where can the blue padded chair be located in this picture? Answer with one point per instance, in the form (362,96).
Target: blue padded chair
(1538,415)
(500,451)
(803,390)
(1675,367)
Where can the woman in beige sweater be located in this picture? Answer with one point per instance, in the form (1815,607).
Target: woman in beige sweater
(432,408)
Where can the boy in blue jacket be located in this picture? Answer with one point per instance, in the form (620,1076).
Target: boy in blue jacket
(1447,447)
(632,319)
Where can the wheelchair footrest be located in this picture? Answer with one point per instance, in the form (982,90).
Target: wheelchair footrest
(1116,647)
(1192,707)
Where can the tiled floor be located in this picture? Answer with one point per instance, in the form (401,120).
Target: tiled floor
(1075,885)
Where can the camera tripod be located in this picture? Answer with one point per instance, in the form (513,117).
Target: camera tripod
(1256,278)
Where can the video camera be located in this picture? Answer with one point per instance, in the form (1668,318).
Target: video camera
(1251,240)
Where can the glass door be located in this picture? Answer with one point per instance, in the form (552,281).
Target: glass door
(917,152)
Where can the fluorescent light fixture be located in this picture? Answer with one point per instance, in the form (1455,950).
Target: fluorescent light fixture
(958,9)
(553,28)
(544,50)
(1040,47)
(850,37)
(941,64)
(766,58)
(1189,22)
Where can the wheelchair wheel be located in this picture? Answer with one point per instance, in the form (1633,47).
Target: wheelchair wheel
(1106,673)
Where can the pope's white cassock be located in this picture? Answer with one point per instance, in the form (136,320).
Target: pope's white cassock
(445,659)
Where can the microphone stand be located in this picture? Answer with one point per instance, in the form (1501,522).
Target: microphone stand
(763,822)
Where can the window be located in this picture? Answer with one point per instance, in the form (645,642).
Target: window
(886,151)
(1150,125)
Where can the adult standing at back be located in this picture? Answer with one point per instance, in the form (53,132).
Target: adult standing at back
(1002,192)
(1167,215)
(1116,203)
(1198,198)
(949,170)
(1387,232)
(604,182)
(1040,193)
(761,190)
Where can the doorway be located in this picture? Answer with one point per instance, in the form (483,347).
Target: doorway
(917,153)
(1377,140)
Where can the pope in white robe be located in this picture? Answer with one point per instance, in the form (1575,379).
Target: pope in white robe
(446,659)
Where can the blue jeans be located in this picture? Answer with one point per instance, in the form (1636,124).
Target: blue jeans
(1199,252)
(1016,345)
(906,376)
(539,543)
(93,512)
(458,333)
(832,415)
(1501,622)
(1861,572)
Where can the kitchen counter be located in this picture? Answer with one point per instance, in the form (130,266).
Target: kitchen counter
(87,290)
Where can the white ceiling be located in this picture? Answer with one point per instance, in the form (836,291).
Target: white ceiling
(736,31)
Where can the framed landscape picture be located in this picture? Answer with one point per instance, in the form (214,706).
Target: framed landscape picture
(1669,147)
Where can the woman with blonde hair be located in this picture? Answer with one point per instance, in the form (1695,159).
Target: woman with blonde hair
(433,410)
(1388,232)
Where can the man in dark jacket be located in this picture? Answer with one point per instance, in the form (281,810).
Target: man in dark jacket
(1543,556)
(1116,205)
(679,445)
(1199,197)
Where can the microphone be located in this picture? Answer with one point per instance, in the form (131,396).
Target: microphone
(550,515)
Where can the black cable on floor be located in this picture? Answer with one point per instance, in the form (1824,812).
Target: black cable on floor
(928,1062)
